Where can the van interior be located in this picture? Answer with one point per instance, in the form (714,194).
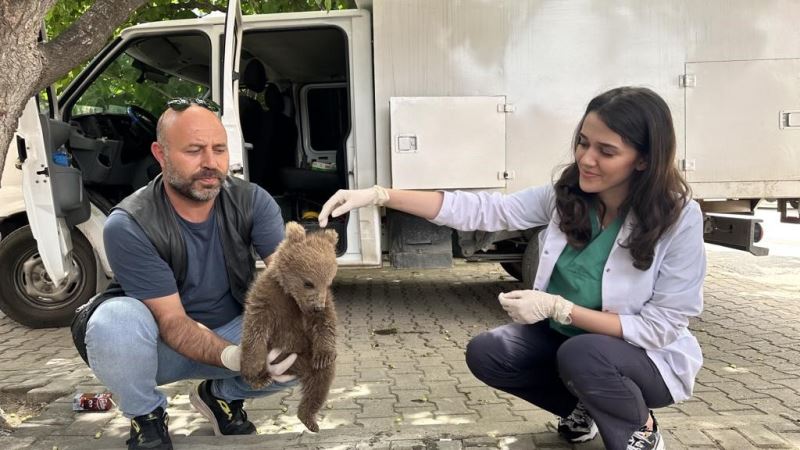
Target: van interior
(294,108)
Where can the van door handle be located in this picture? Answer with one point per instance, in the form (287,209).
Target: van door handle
(22,152)
(790,119)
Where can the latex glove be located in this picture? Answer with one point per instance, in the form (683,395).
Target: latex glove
(530,306)
(347,200)
(232,359)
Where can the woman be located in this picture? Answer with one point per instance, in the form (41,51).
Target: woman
(620,273)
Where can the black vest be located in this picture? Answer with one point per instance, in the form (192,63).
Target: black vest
(150,208)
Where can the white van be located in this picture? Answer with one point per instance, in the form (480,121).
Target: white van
(423,94)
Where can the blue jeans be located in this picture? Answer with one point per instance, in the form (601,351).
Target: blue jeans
(127,355)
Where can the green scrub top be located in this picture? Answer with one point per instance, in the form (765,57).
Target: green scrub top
(578,273)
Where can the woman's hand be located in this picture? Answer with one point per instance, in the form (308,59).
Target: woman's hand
(528,306)
(347,200)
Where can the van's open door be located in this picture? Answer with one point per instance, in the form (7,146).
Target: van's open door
(51,232)
(230,87)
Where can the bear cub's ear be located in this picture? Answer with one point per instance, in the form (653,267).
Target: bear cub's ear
(295,232)
(331,235)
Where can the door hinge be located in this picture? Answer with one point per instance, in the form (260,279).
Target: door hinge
(687,80)
(505,108)
(688,165)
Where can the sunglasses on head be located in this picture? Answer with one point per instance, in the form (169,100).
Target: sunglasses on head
(179,104)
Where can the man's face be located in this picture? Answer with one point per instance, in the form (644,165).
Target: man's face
(195,160)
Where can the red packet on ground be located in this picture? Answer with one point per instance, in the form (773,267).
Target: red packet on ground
(89,401)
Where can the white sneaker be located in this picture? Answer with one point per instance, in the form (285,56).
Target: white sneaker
(644,439)
(578,426)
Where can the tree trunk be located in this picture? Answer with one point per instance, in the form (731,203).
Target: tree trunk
(20,21)
(29,66)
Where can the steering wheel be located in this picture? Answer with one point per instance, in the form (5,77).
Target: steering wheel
(143,124)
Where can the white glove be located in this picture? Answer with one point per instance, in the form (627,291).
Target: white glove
(348,200)
(532,306)
(232,357)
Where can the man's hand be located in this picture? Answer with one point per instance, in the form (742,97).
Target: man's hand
(347,200)
(530,306)
(232,359)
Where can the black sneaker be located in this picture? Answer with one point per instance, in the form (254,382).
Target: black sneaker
(578,426)
(644,439)
(226,417)
(149,431)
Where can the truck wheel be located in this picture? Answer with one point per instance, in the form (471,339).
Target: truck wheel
(513,268)
(530,260)
(525,270)
(26,293)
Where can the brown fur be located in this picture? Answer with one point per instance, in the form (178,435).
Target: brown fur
(290,307)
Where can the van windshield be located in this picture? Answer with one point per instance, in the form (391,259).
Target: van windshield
(147,74)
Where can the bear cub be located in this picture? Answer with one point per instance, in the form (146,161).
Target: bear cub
(290,306)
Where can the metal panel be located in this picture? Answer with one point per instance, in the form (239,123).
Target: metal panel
(741,121)
(550,57)
(447,142)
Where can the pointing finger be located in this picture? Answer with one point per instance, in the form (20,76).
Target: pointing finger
(332,202)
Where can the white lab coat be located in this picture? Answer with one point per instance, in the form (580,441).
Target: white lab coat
(654,305)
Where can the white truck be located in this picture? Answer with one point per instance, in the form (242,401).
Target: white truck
(422,94)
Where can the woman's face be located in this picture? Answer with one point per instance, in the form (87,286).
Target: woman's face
(605,161)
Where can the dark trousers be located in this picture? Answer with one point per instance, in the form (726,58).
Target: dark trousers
(615,380)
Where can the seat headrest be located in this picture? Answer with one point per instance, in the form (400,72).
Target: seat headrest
(254,76)
(273,98)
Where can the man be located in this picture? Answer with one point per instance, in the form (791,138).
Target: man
(181,251)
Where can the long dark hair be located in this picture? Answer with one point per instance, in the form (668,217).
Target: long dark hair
(657,194)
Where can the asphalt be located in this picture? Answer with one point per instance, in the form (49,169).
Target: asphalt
(402,382)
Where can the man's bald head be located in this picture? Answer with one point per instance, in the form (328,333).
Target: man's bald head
(193,114)
(192,148)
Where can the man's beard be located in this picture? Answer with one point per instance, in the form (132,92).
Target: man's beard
(185,186)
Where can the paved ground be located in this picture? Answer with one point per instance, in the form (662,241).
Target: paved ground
(402,382)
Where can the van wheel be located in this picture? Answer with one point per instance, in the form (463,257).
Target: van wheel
(530,260)
(26,293)
(525,270)
(513,268)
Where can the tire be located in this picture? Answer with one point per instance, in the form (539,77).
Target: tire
(42,306)
(525,270)
(530,260)
(513,268)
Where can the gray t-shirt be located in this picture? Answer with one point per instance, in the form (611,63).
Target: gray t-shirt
(205,293)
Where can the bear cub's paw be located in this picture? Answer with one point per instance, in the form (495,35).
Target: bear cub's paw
(309,419)
(322,359)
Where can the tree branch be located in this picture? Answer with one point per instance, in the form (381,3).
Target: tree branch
(84,39)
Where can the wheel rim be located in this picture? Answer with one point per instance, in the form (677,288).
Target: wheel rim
(37,289)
